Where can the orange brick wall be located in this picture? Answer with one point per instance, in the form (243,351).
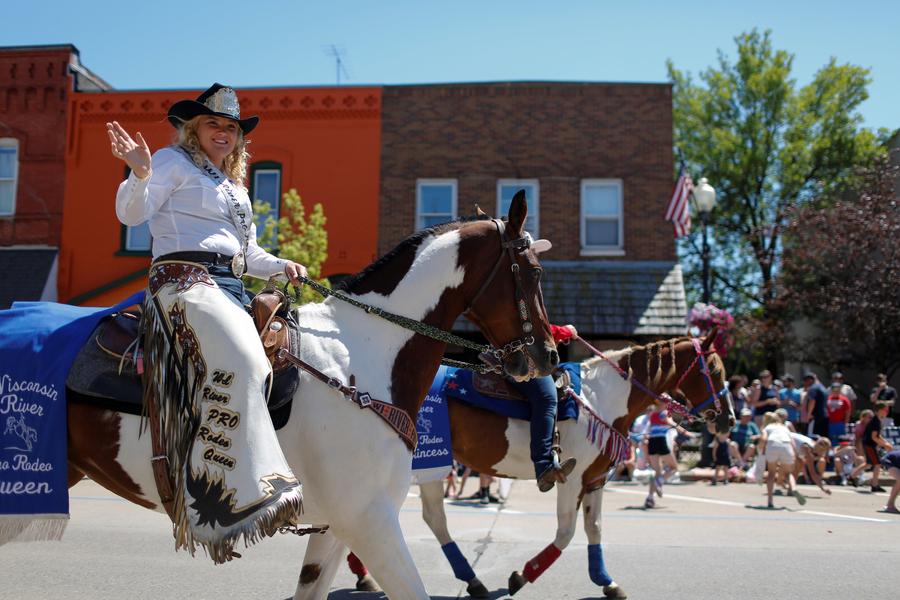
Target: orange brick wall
(326,139)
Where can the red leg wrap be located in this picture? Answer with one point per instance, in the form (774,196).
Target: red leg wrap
(356,565)
(540,563)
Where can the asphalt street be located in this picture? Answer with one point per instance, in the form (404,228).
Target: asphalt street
(700,542)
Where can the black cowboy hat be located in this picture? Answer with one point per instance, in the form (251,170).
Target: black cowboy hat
(218,100)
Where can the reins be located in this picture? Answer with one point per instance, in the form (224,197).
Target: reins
(435,333)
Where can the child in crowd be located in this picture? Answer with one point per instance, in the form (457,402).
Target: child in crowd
(811,458)
(744,435)
(846,463)
(721,451)
(858,431)
(891,464)
(838,408)
(872,440)
(776,449)
(658,449)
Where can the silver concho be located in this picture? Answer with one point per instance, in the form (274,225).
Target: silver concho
(238,267)
(224,101)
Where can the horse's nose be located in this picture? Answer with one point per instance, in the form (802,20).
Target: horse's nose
(554,358)
(731,421)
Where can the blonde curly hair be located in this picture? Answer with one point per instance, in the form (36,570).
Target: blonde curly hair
(235,163)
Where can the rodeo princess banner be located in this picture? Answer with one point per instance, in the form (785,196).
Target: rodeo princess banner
(434,454)
(38,342)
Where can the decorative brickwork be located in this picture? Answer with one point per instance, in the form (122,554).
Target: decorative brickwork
(34,83)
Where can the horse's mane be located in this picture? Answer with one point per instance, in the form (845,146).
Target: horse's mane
(410,243)
(653,355)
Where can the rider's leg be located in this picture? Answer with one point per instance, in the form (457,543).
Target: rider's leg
(541,394)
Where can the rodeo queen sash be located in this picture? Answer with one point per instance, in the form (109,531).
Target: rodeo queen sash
(433,456)
(38,342)
(206,378)
(240,217)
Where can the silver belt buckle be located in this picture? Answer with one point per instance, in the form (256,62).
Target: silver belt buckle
(238,266)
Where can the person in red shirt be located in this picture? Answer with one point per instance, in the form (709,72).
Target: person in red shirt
(541,394)
(838,406)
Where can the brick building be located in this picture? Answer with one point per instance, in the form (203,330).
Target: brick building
(35,85)
(595,160)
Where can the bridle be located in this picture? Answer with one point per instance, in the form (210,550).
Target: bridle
(491,356)
(675,407)
(700,359)
(511,247)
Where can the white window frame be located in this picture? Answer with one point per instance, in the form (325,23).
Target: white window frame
(14,144)
(453,199)
(606,250)
(534,208)
(256,173)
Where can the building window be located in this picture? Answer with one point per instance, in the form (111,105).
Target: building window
(9,174)
(602,217)
(265,186)
(136,239)
(507,188)
(435,202)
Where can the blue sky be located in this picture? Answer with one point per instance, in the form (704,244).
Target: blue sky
(168,44)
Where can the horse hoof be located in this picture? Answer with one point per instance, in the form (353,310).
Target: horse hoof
(476,589)
(367,584)
(614,591)
(516,583)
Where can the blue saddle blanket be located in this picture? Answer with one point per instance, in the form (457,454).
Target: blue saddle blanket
(38,343)
(459,385)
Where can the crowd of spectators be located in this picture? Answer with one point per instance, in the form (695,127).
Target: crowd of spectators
(787,434)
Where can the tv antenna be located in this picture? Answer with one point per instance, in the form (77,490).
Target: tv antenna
(338,55)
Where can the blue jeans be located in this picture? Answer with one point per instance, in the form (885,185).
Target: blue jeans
(541,394)
(231,285)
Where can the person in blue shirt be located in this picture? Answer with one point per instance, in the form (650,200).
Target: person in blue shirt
(790,398)
(744,434)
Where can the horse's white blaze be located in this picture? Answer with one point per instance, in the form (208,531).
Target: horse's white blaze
(604,389)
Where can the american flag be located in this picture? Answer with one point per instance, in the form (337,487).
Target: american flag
(679,211)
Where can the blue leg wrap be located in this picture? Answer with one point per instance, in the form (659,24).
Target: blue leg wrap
(596,568)
(461,568)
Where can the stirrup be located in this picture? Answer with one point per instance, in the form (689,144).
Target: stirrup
(552,474)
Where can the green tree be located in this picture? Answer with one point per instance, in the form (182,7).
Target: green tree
(301,238)
(841,271)
(766,145)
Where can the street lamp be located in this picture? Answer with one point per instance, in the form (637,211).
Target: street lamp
(705,201)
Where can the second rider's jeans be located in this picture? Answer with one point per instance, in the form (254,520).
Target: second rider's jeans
(541,394)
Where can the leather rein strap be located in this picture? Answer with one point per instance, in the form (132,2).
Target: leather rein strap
(397,418)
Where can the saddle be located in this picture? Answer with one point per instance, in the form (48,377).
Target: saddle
(498,386)
(107,370)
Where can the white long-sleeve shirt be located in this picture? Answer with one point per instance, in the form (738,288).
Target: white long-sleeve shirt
(188,213)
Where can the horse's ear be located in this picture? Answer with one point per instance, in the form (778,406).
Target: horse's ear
(518,211)
(710,337)
(478,212)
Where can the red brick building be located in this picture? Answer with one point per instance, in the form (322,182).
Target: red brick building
(596,162)
(35,85)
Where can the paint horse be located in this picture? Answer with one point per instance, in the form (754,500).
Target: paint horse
(355,469)
(685,368)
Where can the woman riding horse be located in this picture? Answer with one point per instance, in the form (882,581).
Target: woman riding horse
(199,340)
